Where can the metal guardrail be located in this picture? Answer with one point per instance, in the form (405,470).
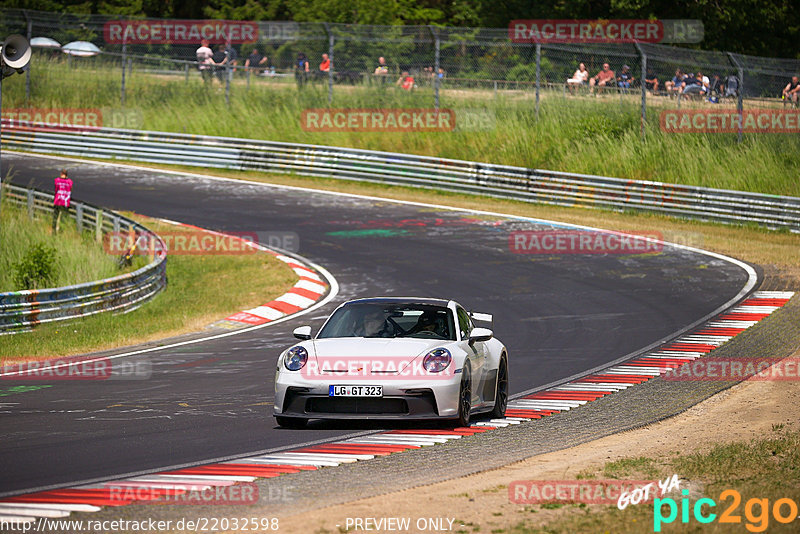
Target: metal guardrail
(532,185)
(20,310)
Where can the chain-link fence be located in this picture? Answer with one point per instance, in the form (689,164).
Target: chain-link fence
(430,61)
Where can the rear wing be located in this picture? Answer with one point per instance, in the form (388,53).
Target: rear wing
(482,317)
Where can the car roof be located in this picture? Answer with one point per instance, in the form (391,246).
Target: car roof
(401,300)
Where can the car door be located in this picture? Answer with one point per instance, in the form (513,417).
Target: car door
(476,354)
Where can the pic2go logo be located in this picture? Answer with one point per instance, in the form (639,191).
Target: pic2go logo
(756,511)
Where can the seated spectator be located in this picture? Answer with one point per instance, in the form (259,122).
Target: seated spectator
(580,77)
(406,81)
(697,85)
(651,81)
(716,89)
(604,78)
(255,60)
(792,91)
(325,66)
(625,78)
(676,83)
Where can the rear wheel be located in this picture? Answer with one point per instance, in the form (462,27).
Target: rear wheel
(465,398)
(501,394)
(291,422)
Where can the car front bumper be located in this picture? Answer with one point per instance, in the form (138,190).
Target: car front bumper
(297,396)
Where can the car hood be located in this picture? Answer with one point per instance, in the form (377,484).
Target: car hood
(379,355)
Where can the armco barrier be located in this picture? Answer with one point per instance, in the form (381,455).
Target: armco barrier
(20,310)
(534,185)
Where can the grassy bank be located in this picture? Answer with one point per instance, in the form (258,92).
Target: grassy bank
(77,258)
(763,469)
(201,290)
(577,134)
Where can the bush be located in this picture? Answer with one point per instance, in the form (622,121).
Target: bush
(37,268)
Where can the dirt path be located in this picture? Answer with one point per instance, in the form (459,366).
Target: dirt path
(480,502)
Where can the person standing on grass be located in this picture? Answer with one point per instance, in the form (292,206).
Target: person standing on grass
(61,199)
(204,61)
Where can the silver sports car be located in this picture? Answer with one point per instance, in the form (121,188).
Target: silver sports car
(389,358)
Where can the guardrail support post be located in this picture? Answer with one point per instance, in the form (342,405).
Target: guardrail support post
(30,203)
(79,216)
(98,227)
(538,75)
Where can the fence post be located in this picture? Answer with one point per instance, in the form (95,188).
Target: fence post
(436,79)
(124,61)
(228,74)
(330,63)
(740,101)
(644,88)
(186,71)
(538,75)
(28,70)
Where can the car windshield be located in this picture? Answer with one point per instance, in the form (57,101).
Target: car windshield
(389,321)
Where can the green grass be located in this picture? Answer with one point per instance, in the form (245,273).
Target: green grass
(201,290)
(79,258)
(577,134)
(765,468)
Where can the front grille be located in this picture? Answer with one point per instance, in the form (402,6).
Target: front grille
(356,405)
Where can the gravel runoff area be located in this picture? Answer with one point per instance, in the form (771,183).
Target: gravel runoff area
(299,494)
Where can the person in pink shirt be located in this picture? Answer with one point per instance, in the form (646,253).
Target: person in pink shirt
(61,200)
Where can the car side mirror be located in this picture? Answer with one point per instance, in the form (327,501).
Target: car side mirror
(480,334)
(302,332)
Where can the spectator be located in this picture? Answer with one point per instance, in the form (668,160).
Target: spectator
(676,83)
(697,85)
(440,74)
(792,90)
(406,81)
(625,78)
(301,70)
(603,78)
(233,57)
(382,69)
(325,66)
(580,77)
(651,81)
(220,58)
(255,60)
(204,60)
(61,198)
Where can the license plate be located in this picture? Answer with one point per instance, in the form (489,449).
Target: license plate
(355,391)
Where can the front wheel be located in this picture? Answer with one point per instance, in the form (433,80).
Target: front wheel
(291,422)
(465,398)
(501,393)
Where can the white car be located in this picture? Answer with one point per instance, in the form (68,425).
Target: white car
(393,358)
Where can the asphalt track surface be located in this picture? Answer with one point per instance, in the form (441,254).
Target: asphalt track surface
(559,315)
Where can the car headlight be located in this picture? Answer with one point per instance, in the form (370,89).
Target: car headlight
(436,360)
(295,358)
